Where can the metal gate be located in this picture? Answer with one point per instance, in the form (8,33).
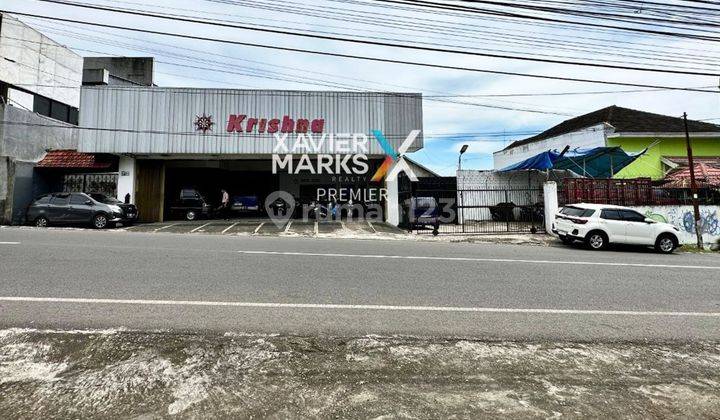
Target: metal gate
(91,183)
(475,211)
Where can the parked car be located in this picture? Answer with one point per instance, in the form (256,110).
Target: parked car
(245,204)
(190,204)
(598,225)
(100,211)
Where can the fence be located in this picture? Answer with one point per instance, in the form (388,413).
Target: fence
(96,183)
(474,211)
(631,192)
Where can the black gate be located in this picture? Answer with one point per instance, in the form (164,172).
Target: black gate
(474,211)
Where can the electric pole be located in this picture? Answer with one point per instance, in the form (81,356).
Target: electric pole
(693,185)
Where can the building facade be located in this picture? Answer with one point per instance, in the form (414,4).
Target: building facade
(39,98)
(634,131)
(248,142)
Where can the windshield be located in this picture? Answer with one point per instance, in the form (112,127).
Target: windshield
(102,198)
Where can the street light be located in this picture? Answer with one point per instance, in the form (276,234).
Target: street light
(462,151)
(460,207)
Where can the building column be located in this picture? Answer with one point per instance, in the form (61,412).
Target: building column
(392,203)
(126,178)
(550,195)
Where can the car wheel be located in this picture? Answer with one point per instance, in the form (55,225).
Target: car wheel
(596,240)
(665,244)
(100,221)
(190,215)
(42,222)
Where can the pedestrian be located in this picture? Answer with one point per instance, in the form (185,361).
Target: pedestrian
(225,204)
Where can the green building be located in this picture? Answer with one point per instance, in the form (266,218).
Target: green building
(663,136)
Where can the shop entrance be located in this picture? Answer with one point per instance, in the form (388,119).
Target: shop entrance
(248,183)
(150,190)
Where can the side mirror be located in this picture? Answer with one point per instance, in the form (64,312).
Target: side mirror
(88,203)
(649,220)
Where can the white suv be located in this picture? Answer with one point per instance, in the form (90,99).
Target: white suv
(598,225)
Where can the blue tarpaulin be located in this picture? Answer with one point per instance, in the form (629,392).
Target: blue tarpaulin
(598,162)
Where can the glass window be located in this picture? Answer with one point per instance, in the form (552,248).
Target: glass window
(78,199)
(59,111)
(43,200)
(41,105)
(610,214)
(632,216)
(577,212)
(60,200)
(73,117)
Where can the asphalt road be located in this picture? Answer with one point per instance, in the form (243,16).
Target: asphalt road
(75,279)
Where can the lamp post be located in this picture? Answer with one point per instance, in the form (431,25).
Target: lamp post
(463,149)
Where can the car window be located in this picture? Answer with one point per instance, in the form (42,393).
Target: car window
(189,194)
(610,214)
(78,199)
(577,211)
(43,200)
(632,216)
(60,200)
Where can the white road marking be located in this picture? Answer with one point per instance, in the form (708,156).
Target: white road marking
(354,307)
(258,228)
(229,227)
(316,229)
(287,228)
(371,227)
(199,227)
(164,227)
(501,260)
(9,243)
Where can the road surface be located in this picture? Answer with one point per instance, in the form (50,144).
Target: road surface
(73,279)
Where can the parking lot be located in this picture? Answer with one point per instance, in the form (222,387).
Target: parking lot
(265,226)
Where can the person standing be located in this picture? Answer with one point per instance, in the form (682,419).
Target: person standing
(225,204)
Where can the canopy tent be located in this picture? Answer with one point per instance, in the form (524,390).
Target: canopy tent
(598,162)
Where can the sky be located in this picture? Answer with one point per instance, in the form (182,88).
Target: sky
(486,124)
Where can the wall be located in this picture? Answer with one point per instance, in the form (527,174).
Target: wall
(170,114)
(30,142)
(21,146)
(38,64)
(124,70)
(683,218)
(590,137)
(650,164)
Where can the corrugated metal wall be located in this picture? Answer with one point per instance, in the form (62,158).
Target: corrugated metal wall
(161,120)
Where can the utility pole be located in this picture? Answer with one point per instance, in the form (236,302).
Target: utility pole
(693,185)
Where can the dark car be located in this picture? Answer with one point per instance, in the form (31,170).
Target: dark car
(190,204)
(79,208)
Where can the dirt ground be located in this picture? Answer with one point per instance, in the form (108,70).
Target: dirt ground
(125,374)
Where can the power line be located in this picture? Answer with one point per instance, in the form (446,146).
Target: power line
(358,57)
(377,43)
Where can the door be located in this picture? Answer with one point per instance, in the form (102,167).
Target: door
(614,225)
(80,211)
(150,190)
(637,230)
(58,208)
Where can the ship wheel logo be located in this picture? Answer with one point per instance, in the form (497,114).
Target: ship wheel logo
(204,123)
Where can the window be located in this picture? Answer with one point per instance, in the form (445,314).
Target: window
(60,200)
(632,216)
(78,199)
(73,116)
(577,212)
(609,214)
(59,111)
(43,200)
(41,105)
